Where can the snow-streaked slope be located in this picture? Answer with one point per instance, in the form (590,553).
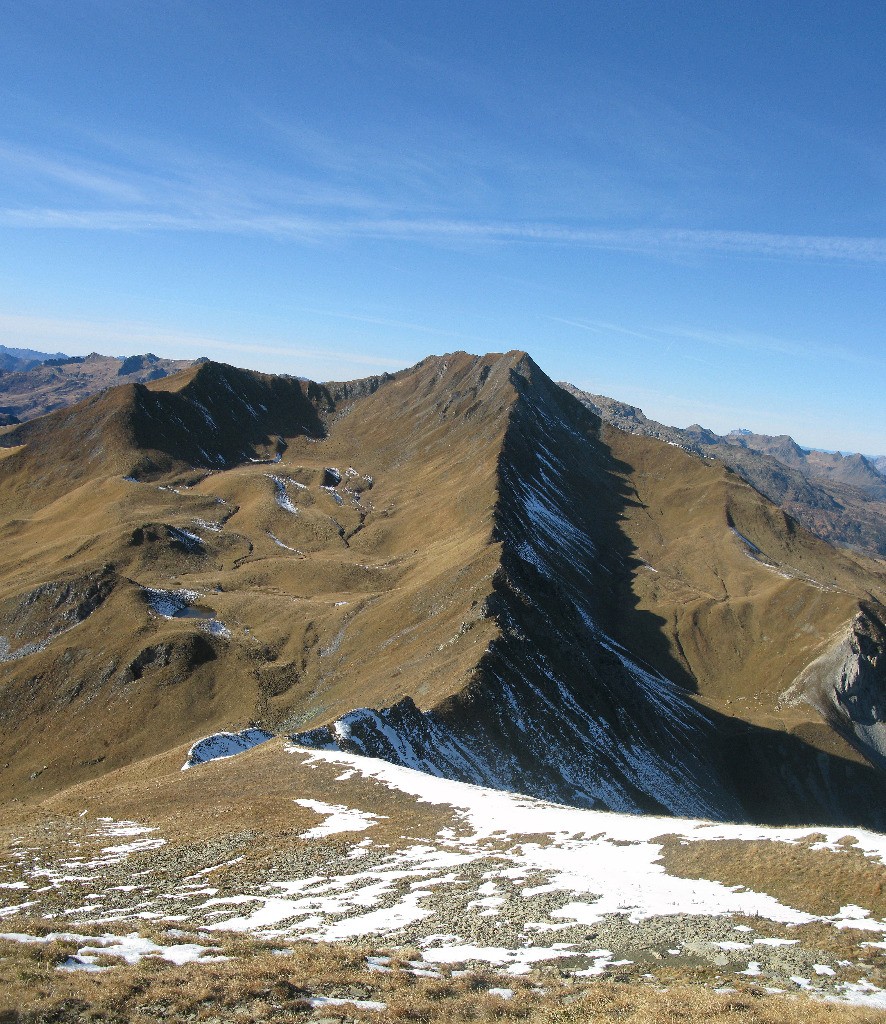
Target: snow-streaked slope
(490,812)
(557,707)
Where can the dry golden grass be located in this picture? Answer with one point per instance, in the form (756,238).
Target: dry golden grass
(817,881)
(742,630)
(256,791)
(381,594)
(259,983)
(385,596)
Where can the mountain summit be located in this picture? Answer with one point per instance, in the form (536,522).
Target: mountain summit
(458,567)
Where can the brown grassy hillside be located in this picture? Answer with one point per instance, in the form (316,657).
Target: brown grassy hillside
(549,605)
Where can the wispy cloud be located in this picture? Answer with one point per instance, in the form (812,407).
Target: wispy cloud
(325,191)
(668,336)
(603,328)
(756,341)
(83,176)
(651,241)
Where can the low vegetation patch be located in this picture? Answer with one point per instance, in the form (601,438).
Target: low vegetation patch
(349,982)
(819,881)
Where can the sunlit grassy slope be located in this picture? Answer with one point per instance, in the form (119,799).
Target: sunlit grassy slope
(344,546)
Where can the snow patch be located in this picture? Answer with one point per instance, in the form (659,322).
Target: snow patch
(280,543)
(281,496)
(340,819)
(224,744)
(169,603)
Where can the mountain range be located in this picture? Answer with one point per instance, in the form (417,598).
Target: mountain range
(841,498)
(461,567)
(34,383)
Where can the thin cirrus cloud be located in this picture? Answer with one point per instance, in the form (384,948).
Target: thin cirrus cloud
(187,192)
(651,241)
(668,336)
(162,186)
(82,179)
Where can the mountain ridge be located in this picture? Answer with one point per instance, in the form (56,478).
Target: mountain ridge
(458,565)
(33,387)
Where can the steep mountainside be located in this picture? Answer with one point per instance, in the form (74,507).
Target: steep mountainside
(30,388)
(457,568)
(840,498)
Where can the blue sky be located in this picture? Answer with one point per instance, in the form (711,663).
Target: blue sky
(682,205)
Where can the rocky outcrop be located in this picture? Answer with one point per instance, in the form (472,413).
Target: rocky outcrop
(847,685)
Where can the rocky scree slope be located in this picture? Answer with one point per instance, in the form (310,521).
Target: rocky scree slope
(453,567)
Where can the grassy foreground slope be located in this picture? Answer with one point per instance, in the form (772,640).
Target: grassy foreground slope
(290,884)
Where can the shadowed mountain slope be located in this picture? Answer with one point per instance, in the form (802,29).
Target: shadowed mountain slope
(455,567)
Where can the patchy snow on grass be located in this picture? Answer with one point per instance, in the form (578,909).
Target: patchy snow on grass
(131,948)
(475,876)
(364,1004)
(169,603)
(206,524)
(607,863)
(280,543)
(280,494)
(187,538)
(516,961)
(216,628)
(110,827)
(863,993)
